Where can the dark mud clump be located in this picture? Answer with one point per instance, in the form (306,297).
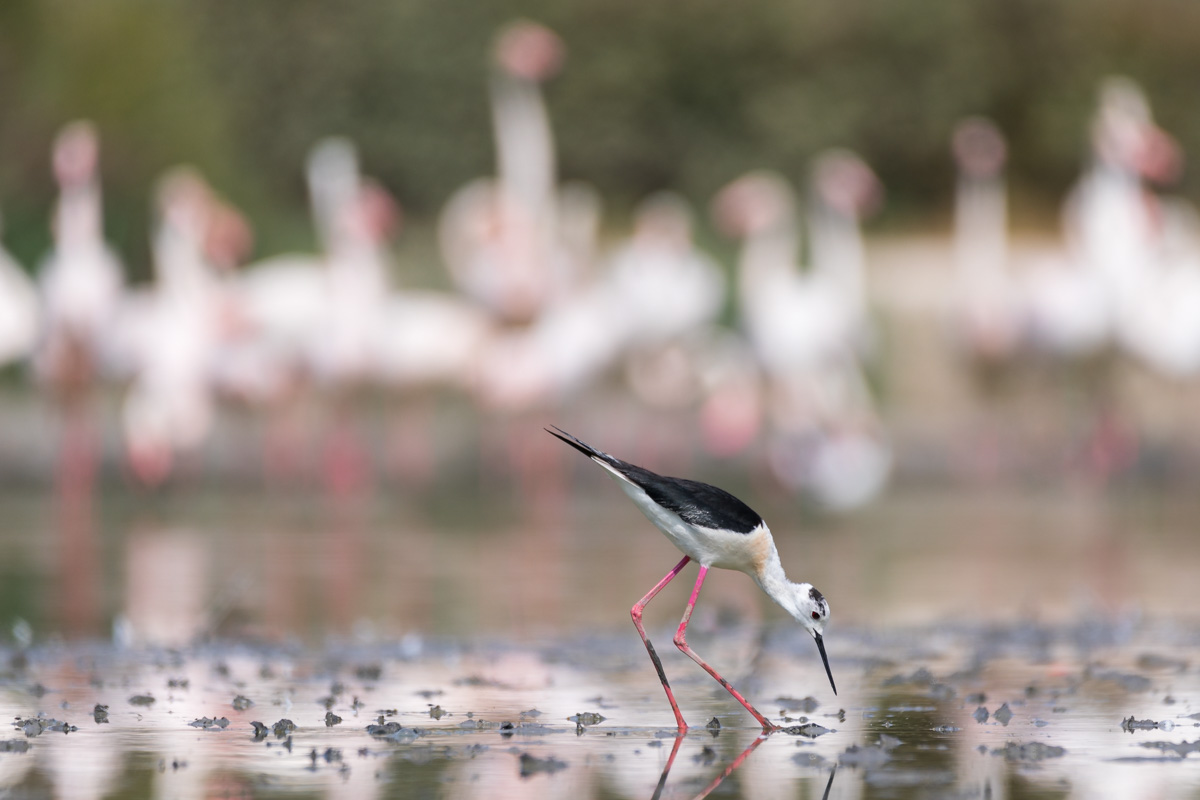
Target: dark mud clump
(1158,662)
(1127,681)
(209,723)
(587,718)
(532,765)
(809,729)
(437,712)
(283,728)
(368,672)
(331,719)
(260,731)
(1130,725)
(1003,715)
(1181,749)
(144,700)
(395,732)
(241,703)
(980,715)
(808,760)
(869,757)
(1029,751)
(100,714)
(36,726)
(14,746)
(806,706)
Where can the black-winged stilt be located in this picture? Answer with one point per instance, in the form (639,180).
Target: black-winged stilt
(715,529)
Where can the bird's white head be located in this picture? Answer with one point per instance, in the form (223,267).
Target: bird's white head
(812,610)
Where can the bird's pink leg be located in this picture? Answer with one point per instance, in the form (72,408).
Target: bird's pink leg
(681,643)
(636,613)
(737,762)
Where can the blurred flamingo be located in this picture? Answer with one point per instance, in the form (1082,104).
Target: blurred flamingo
(173,334)
(516,243)
(808,328)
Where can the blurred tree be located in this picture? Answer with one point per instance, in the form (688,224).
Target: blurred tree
(652,95)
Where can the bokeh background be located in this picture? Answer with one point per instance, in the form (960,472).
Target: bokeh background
(651,98)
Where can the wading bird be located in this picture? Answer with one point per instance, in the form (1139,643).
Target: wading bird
(715,529)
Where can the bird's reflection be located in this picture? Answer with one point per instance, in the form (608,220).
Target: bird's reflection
(729,769)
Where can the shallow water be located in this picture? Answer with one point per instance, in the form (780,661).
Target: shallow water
(904,724)
(1071,610)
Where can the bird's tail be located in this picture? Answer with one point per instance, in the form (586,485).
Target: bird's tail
(582,447)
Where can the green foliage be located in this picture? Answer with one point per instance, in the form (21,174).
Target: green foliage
(653,95)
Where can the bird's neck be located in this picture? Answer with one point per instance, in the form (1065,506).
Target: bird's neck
(773,581)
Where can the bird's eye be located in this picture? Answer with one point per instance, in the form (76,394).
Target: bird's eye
(816,615)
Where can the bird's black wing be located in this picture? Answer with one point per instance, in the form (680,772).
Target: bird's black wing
(696,503)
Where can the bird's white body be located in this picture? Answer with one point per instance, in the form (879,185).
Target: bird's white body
(709,547)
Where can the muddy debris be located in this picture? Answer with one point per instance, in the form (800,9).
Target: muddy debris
(532,713)
(713,725)
(177,683)
(808,760)
(394,732)
(920,676)
(368,672)
(437,712)
(980,715)
(100,714)
(865,756)
(144,700)
(600,701)
(1003,715)
(810,730)
(805,706)
(209,723)
(975,699)
(14,746)
(331,719)
(1127,681)
(241,703)
(587,718)
(260,731)
(532,765)
(1029,751)
(1181,749)
(283,728)
(1159,662)
(429,693)
(36,726)
(705,757)
(37,690)
(1130,725)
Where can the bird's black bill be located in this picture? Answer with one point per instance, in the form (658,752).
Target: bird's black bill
(825,658)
